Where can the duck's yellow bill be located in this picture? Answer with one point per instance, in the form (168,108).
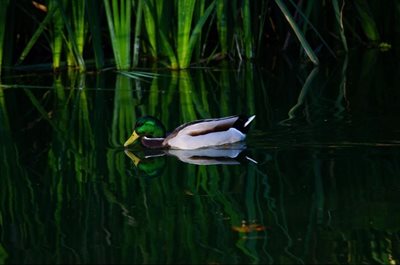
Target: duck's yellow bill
(131,139)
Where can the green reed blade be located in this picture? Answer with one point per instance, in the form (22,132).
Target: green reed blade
(57,36)
(79,23)
(95,29)
(262,18)
(198,12)
(150,18)
(248,35)
(339,20)
(138,29)
(169,51)
(111,29)
(72,39)
(140,74)
(185,15)
(186,54)
(308,23)
(36,35)
(297,31)
(119,25)
(222,25)
(3,19)
(367,21)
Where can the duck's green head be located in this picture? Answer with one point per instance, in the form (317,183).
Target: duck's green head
(146,126)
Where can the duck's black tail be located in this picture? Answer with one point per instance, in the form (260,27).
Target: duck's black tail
(243,123)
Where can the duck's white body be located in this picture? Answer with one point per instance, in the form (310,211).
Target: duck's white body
(206,133)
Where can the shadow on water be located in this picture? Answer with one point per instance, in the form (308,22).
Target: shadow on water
(316,181)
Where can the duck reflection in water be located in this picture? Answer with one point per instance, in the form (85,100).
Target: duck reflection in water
(150,160)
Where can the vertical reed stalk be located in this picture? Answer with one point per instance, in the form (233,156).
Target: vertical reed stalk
(198,13)
(187,38)
(92,12)
(185,14)
(304,43)
(119,24)
(78,25)
(138,29)
(339,20)
(56,45)
(150,21)
(222,25)
(3,19)
(248,35)
(367,20)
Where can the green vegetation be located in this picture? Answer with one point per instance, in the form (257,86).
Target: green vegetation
(3,19)
(129,34)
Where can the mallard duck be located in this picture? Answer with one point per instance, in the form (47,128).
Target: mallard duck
(192,135)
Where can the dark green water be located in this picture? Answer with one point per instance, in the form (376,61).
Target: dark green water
(325,188)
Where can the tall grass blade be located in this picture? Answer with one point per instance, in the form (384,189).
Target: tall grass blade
(185,44)
(248,36)
(367,21)
(185,15)
(339,20)
(307,48)
(138,29)
(78,27)
(92,12)
(150,21)
(308,23)
(78,22)
(57,36)
(3,19)
(72,43)
(119,25)
(198,13)
(169,51)
(36,36)
(222,25)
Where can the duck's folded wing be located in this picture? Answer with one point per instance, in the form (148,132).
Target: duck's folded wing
(202,127)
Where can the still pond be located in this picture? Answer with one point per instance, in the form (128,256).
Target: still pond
(316,181)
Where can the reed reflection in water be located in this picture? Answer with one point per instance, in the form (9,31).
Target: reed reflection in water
(316,181)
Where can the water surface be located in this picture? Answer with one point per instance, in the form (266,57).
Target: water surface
(317,180)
